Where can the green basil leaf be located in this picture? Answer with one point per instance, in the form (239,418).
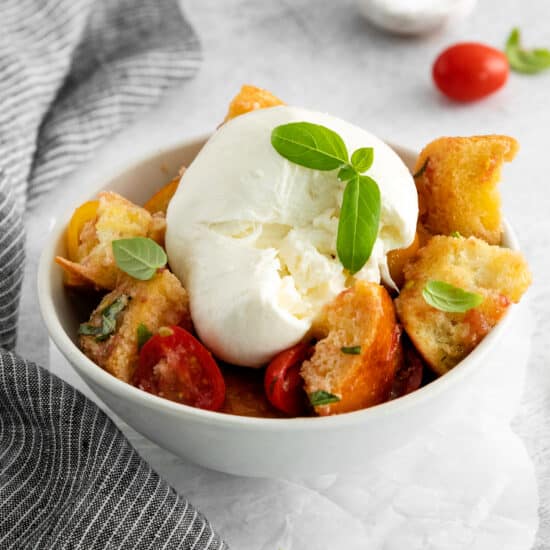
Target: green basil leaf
(321,397)
(346,173)
(446,297)
(310,145)
(351,350)
(108,320)
(362,159)
(143,335)
(140,257)
(525,61)
(358,223)
(422,169)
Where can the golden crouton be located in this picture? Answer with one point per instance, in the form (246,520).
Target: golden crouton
(160,301)
(116,218)
(249,99)
(498,274)
(360,320)
(457,185)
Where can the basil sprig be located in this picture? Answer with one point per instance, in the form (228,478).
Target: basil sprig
(108,320)
(525,61)
(320,148)
(140,257)
(449,298)
(322,397)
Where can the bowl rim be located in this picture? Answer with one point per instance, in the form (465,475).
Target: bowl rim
(86,368)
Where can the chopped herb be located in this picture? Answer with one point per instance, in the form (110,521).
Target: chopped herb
(143,335)
(321,397)
(422,168)
(108,320)
(456,235)
(351,350)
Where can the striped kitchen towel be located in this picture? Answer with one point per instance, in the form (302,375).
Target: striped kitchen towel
(71,73)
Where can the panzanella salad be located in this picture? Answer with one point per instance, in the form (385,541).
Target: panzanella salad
(296,267)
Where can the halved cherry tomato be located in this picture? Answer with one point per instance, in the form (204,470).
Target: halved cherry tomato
(175,365)
(84,213)
(470,71)
(283,384)
(408,377)
(159,201)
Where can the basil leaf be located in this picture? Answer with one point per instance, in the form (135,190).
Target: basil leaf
(143,335)
(362,159)
(351,350)
(321,397)
(358,223)
(525,61)
(346,173)
(108,320)
(446,297)
(310,145)
(140,257)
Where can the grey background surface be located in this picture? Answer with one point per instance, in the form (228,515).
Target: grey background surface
(323,55)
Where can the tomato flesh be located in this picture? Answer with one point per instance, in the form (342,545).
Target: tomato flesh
(283,384)
(469,71)
(175,365)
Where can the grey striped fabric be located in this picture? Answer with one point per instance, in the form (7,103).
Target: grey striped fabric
(71,73)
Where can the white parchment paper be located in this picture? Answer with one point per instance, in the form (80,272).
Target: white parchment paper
(465,483)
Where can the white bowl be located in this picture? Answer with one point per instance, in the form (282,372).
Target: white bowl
(242,445)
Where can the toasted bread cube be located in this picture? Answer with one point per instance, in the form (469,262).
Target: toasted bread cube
(249,99)
(160,301)
(457,185)
(500,275)
(360,316)
(117,218)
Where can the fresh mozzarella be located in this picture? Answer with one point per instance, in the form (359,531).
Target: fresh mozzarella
(252,236)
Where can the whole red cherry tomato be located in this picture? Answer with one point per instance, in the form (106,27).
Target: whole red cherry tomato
(283,384)
(470,71)
(173,364)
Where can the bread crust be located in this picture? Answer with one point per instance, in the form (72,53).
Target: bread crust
(456,179)
(160,301)
(362,316)
(500,275)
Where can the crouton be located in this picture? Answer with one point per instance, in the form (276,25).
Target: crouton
(457,185)
(249,99)
(160,301)
(116,218)
(360,320)
(498,274)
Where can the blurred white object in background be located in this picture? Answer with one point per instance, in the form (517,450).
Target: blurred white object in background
(414,16)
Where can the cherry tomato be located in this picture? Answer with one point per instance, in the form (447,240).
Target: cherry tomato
(160,200)
(175,365)
(84,213)
(283,384)
(470,71)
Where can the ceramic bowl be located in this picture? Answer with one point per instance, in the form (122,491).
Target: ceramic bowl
(242,445)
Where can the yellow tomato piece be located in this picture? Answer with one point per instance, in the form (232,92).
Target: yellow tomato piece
(398,258)
(159,201)
(84,213)
(249,99)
